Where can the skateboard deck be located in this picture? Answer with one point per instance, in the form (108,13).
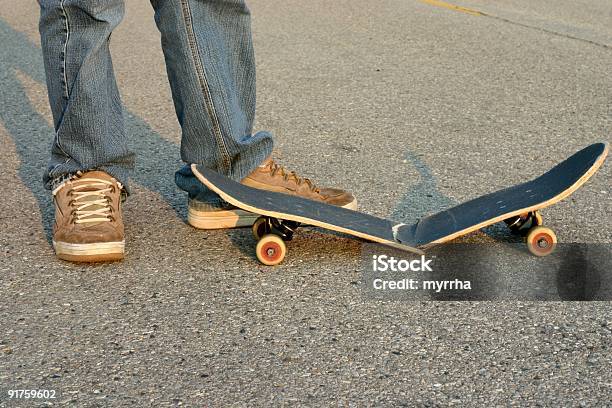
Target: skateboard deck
(518,205)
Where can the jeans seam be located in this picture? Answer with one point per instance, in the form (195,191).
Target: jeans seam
(64,69)
(203,81)
(64,51)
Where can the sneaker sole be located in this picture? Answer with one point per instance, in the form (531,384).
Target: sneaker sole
(236,218)
(221,219)
(96,252)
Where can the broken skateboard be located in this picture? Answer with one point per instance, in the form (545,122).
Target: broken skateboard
(518,206)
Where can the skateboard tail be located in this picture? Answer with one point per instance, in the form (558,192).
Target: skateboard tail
(354,223)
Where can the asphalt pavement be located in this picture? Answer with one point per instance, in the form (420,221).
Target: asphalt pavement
(412,105)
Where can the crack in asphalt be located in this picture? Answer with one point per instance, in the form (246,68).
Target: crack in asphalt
(544,30)
(474,12)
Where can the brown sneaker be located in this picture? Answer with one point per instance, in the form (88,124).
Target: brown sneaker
(274,177)
(88,222)
(268,176)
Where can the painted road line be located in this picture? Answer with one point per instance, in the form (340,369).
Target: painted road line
(443,4)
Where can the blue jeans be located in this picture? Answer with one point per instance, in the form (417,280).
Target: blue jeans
(209,57)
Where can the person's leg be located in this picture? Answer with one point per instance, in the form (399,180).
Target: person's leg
(209,58)
(90,160)
(85,102)
(211,67)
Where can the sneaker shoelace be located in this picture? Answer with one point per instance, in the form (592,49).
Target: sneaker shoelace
(277,168)
(90,200)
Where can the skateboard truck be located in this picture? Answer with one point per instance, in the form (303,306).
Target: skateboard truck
(266,225)
(520,222)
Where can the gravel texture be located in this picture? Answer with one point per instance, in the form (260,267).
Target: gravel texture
(411,106)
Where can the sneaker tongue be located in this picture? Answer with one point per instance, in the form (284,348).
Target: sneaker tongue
(90,178)
(90,198)
(266,163)
(91,207)
(96,174)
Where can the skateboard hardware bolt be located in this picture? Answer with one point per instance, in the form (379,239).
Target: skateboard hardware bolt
(266,225)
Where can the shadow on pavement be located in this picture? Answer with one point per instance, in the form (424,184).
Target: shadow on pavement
(425,198)
(421,199)
(157,158)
